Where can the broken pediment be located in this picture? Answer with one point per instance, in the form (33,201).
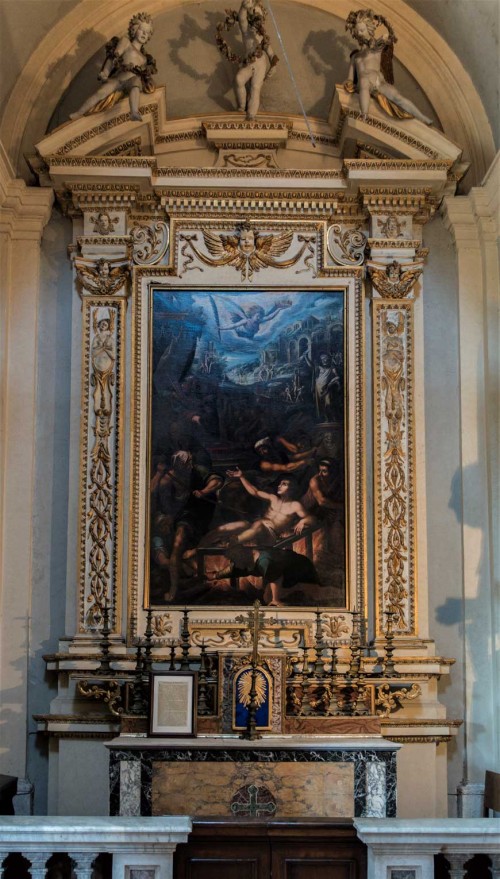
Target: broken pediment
(343,154)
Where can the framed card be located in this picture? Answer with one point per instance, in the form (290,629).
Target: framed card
(173,704)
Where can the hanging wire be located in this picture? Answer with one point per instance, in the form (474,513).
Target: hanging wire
(290,71)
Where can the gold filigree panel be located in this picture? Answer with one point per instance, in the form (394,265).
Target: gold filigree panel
(394,471)
(101,461)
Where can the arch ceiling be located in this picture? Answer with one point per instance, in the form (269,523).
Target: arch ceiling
(77,37)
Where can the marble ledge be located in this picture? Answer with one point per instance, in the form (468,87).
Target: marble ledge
(82,834)
(431,835)
(268,742)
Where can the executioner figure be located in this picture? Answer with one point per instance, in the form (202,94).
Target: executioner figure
(259,60)
(370,71)
(127,70)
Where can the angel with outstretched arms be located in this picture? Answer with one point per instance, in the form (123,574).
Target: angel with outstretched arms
(127,70)
(246,322)
(370,72)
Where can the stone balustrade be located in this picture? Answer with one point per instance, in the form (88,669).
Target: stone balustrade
(400,848)
(142,848)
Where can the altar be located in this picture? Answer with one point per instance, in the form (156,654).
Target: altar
(275,777)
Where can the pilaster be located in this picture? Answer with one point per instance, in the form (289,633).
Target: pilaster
(395,268)
(24,213)
(101,259)
(472,221)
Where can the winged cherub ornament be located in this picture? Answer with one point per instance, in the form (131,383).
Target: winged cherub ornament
(370,72)
(394,281)
(103,280)
(248,251)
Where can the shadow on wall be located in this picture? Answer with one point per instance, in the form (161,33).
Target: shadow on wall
(323,49)
(471,615)
(219,79)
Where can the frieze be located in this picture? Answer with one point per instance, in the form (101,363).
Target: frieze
(126,148)
(180,136)
(58,161)
(397,164)
(281,173)
(94,240)
(395,244)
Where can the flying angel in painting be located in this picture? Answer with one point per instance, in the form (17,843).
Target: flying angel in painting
(246,322)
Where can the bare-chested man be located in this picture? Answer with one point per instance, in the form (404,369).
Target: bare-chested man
(282,514)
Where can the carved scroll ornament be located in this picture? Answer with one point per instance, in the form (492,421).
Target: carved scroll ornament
(150,242)
(346,248)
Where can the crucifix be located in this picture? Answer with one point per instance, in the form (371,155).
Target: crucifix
(255,620)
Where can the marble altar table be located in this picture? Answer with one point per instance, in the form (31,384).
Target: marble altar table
(277,776)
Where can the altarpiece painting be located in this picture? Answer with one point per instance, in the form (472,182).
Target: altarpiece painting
(247,448)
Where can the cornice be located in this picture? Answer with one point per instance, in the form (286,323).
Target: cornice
(24,210)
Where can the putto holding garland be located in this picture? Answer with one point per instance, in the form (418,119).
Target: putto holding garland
(259,60)
(127,70)
(370,72)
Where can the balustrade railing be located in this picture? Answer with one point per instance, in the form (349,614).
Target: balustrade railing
(400,848)
(142,848)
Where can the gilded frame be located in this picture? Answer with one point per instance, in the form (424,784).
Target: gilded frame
(347,280)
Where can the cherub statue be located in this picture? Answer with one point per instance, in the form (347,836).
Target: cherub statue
(370,71)
(259,60)
(127,70)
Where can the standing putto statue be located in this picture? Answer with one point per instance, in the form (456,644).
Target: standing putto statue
(127,70)
(259,60)
(370,72)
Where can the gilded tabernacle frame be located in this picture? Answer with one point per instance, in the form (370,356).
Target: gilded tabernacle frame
(196,349)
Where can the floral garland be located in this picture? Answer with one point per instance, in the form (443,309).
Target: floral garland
(256,22)
(352,21)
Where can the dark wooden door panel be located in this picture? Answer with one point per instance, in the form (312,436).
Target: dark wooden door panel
(314,868)
(256,849)
(232,868)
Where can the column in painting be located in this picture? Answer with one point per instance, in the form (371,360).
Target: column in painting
(102,274)
(394,269)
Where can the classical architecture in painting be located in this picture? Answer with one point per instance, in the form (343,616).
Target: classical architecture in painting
(249,424)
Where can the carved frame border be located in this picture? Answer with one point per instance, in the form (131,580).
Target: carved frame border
(144,278)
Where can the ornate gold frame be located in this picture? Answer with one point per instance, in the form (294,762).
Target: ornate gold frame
(348,279)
